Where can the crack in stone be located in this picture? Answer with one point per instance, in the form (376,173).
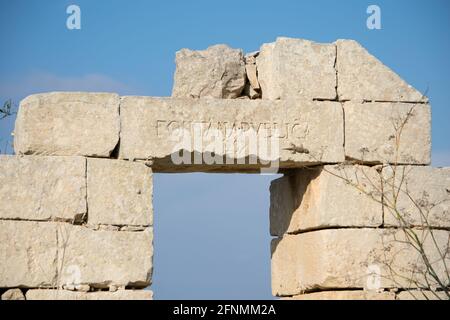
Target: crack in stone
(336,71)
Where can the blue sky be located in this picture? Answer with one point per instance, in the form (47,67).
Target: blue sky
(205,250)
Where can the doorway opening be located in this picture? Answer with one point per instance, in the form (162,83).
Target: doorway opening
(211,236)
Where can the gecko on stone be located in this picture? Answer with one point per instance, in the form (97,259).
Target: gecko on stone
(297,149)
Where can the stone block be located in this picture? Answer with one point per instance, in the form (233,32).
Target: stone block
(416,196)
(68,124)
(422,295)
(119,192)
(96,295)
(103,258)
(297,68)
(325,197)
(355,258)
(398,133)
(42,188)
(361,76)
(28,254)
(217,72)
(13,294)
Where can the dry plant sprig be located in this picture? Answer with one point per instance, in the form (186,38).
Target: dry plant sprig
(7,109)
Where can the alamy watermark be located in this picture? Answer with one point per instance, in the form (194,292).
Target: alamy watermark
(200,143)
(373,277)
(373,22)
(73,21)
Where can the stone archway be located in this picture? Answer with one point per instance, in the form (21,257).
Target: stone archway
(76,223)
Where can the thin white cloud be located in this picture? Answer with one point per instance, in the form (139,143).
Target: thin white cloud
(37,82)
(440,158)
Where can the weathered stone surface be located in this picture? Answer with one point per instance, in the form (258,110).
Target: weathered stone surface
(103,258)
(96,295)
(46,254)
(328,196)
(27,254)
(374,132)
(416,196)
(297,68)
(353,258)
(68,123)
(218,72)
(252,88)
(119,192)
(361,76)
(422,295)
(42,188)
(252,75)
(13,294)
(250,58)
(157,129)
(345,295)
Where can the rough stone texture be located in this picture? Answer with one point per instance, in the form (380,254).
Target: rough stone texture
(218,72)
(42,188)
(297,68)
(68,124)
(151,129)
(329,196)
(421,295)
(423,196)
(252,75)
(13,294)
(361,76)
(104,258)
(97,295)
(119,192)
(252,88)
(345,295)
(350,258)
(373,134)
(27,254)
(250,58)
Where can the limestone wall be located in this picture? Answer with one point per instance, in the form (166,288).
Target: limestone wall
(351,138)
(75,223)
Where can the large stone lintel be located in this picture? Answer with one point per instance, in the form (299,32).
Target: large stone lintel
(230,135)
